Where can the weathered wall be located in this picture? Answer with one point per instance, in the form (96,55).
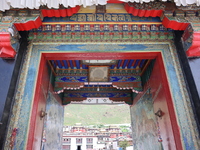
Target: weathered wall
(161,99)
(9,72)
(53,124)
(144,126)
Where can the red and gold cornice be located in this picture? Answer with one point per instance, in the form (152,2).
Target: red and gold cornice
(176,18)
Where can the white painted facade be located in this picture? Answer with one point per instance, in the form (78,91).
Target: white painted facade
(80,141)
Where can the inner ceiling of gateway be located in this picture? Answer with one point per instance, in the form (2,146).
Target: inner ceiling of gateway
(100,81)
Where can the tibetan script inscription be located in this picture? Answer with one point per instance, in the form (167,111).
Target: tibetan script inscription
(103,17)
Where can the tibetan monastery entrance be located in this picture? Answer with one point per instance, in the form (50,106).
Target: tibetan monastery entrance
(131,72)
(100,58)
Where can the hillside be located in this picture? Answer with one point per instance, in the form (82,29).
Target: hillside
(96,114)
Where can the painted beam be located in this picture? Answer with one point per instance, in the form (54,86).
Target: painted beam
(100,55)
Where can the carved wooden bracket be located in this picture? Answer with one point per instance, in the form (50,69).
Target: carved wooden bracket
(134,86)
(67,86)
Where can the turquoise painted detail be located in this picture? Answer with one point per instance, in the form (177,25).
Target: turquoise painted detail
(101,47)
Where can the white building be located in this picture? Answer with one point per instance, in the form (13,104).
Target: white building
(79,137)
(80,142)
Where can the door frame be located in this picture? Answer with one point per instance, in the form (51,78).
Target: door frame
(35,69)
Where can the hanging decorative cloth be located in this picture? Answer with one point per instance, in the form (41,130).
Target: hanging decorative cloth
(35,4)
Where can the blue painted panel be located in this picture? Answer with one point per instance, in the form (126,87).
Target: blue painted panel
(59,63)
(112,67)
(130,63)
(71,64)
(100,47)
(54,64)
(142,63)
(85,78)
(73,79)
(124,79)
(65,64)
(136,63)
(77,64)
(84,66)
(125,63)
(119,64)
(97,94)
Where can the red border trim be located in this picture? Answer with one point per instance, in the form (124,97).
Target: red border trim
(6,49)
(194,50)
(67,56)
(26,26)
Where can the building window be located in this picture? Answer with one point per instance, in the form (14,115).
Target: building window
(88,147)
(66,140)
(66,147)
(89,140)
(100,138)
(78,141)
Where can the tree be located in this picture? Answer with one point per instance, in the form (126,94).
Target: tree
(124,144)
(100,125)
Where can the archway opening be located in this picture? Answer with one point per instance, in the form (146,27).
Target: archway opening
(156,85)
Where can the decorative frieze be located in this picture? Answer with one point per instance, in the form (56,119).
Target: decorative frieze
(102,26)
(98,36)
